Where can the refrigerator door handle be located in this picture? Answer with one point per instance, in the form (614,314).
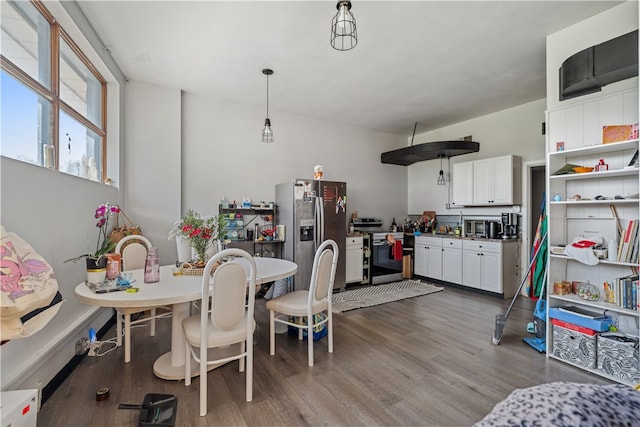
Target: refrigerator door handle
(319,235)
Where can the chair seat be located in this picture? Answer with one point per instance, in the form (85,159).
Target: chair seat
(295,304)
(216,337)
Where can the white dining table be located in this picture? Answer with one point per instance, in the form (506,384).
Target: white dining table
(178,291)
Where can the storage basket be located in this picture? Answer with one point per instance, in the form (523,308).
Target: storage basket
(187,269)
(619,356)
(574,343)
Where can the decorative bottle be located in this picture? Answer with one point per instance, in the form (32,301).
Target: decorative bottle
(152,266)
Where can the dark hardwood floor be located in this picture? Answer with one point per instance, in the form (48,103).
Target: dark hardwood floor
(422,361)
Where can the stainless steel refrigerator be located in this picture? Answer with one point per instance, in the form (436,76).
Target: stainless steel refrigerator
(312,212)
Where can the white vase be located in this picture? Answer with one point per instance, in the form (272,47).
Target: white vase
(211,251)
(184,250)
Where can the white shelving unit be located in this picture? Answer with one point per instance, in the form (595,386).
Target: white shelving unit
(585,215)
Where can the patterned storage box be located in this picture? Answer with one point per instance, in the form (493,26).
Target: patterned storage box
(618,356)
(574,343)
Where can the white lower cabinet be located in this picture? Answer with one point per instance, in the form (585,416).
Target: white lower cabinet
(353,260)
(452,260)
(482,264)
(488,265)
(428,257)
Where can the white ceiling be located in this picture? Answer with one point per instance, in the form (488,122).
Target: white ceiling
(434,62)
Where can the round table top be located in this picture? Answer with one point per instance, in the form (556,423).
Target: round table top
(177,289)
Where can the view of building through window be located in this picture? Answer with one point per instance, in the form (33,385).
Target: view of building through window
(72,139)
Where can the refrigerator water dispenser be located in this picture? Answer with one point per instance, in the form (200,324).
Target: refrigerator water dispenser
(306,233)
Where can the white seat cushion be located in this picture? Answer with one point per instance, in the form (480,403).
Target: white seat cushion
(216,337)
(295,304)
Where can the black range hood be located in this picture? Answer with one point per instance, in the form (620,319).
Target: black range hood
(428,151)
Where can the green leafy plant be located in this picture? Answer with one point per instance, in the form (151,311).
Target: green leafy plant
(201,232)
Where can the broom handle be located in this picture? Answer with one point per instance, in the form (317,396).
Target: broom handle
(526,275)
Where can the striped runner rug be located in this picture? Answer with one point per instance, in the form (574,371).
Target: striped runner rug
(380,294)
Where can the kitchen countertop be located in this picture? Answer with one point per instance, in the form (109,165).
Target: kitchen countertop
(453,236)
(445,235)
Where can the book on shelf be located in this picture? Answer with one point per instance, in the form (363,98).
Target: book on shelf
(632,242)
(627,248)
(623,292)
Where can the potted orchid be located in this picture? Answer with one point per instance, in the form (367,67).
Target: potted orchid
(96,261)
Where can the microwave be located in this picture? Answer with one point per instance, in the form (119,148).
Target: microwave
(476,228)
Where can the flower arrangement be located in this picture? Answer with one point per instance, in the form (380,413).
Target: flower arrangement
(200,232)
(105,245)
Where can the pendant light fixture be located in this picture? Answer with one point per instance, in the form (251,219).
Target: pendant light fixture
(441,180)
(343,27)
(267,133)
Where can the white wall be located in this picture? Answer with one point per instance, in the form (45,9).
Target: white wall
(53,212)
(516,130)
(152,167)
(222,155)
(225,157)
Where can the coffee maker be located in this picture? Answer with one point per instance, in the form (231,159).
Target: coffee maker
(509,225)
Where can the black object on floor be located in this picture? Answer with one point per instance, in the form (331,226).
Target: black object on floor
(157,410)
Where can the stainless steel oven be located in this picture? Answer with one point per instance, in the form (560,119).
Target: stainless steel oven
(386,261)
(385,267)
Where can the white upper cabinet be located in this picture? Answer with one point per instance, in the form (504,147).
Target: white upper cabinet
(463,184)
(488,182)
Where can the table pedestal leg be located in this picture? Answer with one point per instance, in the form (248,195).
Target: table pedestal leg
(170,366)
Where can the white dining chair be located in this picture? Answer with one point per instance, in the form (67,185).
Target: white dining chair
(133,250)
(308,303)
(229,322)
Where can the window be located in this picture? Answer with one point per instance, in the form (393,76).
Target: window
(53,98)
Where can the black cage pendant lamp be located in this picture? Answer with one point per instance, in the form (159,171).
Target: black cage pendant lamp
(441,180)
(343,27)
(267,133)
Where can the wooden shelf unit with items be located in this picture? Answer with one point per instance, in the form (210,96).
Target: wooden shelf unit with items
(254,230)
(592,323)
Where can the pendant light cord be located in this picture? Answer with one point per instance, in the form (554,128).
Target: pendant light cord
(414,133)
